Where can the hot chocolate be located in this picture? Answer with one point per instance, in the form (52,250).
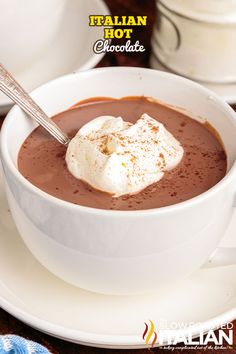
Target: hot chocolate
(42,159)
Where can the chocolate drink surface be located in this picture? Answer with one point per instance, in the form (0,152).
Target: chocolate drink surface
(41,159)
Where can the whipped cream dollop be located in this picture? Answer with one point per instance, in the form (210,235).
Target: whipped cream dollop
(119,157)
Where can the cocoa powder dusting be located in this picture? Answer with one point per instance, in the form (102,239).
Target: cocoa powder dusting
(42,160)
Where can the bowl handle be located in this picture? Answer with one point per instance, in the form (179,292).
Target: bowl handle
(222,256)
(174,42)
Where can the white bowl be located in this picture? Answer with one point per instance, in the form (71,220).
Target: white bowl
(120,252)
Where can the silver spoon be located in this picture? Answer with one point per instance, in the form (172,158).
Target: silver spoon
(16,93)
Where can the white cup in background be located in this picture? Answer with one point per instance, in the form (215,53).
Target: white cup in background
(196,38)
(27,28)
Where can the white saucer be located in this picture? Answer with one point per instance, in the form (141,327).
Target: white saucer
(226,91)
(35,296)
(72,50)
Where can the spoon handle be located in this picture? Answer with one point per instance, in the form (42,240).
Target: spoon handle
(16,93)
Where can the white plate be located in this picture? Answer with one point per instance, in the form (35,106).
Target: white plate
(72,50)
(226,91)
(35,296)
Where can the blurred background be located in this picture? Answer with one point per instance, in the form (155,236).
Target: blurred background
(40,41)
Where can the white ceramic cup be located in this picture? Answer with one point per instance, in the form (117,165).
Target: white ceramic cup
(197,38)
(121,252)
(27,28)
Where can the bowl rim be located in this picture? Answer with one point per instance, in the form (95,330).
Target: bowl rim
(5,156)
